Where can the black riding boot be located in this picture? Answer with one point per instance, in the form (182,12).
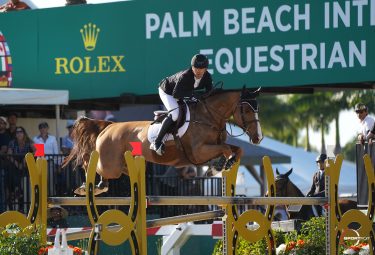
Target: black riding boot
(158,145)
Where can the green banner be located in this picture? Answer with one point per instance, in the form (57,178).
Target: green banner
(105,50)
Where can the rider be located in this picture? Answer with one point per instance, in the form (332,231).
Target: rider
(177,86)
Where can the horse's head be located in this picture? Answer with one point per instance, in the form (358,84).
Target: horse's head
(282,183)
(246,115)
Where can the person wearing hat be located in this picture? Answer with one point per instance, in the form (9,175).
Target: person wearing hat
(366,122)
(178,86)
(318,185)
(67,141)
(56,217)
(4,135)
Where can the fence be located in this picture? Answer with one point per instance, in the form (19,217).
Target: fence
(15,186)
(362,187)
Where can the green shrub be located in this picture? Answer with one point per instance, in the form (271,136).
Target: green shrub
(257,248)
(17,241)
(310,240)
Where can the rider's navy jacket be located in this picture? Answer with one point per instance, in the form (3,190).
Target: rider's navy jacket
(181,84)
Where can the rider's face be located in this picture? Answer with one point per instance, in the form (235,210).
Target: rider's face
(198,72)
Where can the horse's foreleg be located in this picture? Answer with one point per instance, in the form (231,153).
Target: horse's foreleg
(207,152)
(236,156)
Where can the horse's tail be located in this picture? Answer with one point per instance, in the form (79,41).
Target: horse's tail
(85,133)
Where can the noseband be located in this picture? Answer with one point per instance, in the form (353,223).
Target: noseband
(246,125)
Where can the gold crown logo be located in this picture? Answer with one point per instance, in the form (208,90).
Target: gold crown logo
(89,36)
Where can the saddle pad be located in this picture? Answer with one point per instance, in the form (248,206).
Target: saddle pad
(153,130)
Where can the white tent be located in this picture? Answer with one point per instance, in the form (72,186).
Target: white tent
(304,166)
(11,96)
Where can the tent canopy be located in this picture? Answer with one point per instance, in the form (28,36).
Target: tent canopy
(253,154)
(11,96)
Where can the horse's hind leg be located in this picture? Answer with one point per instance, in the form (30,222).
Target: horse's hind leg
(102,186)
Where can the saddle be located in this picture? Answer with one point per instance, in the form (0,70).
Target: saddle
(159,116)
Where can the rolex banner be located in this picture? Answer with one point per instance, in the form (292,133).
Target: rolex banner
(105,50)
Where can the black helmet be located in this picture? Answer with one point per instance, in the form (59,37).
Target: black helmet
(321,158)
(199,61)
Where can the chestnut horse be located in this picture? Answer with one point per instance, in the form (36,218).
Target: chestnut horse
(286,188)
(204,139)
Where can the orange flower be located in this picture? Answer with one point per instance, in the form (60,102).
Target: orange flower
(77,250)
(300,243)
(290,245)
(355,248)
(42,251)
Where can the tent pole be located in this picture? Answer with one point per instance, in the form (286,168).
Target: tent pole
(57,125)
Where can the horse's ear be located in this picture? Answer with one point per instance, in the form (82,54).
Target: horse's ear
(289,172)
(256,92)
(277,171)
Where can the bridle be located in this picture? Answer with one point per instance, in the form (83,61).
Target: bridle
(245,124)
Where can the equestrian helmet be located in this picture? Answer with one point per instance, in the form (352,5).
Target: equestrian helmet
(199,61)
(321,158)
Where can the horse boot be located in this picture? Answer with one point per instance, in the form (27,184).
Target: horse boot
(218,166)
(230,162)
(158,145)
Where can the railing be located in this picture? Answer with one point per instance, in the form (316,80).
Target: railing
(15,187)
(362,187)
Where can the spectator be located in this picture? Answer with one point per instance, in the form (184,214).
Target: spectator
(49,141)
(12,121)
(370,137)
(14,5)
(56,217)
(318,185)
(366,122)
(51,149)
(67,141)
(18,148)
(4,136)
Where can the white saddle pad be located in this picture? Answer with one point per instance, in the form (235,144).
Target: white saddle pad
(153,130)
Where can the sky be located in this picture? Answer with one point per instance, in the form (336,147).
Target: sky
(348,124)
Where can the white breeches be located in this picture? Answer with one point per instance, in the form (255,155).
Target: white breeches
(170,103)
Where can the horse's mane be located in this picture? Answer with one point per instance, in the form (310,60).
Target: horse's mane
(299,192)
(216,92)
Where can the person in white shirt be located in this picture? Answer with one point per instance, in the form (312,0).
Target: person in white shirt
(49,141)
(50,147)
(366,122)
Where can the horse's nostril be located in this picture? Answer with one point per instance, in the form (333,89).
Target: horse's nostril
(256,140)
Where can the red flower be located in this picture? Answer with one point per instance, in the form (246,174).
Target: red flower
(290,245)
(77,250)
(355,248)
(42,251)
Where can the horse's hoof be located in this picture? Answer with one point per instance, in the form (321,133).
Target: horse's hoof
(81,190)
(98,191)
